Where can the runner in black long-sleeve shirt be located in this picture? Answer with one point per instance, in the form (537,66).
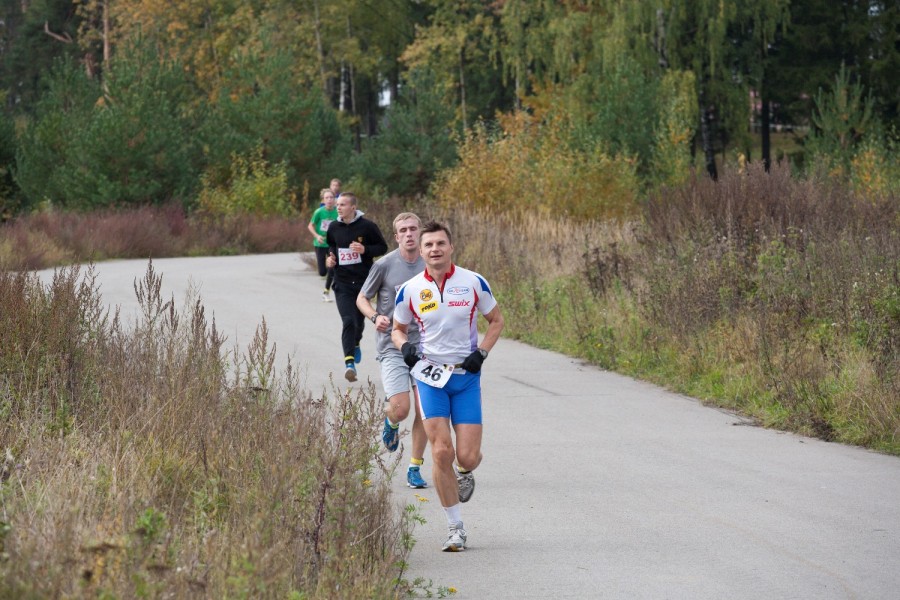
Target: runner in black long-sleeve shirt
(353,243)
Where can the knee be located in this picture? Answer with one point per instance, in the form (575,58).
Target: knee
(400,410)
(442,453)
(468,460)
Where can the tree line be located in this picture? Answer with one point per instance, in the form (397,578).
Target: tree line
(112,102)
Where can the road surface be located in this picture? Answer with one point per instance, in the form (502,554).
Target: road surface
(593,485)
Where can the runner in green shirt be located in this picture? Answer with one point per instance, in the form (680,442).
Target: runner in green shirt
(318,226)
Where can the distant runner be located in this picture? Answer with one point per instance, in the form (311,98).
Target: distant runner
(335,188)
(322,217)
(385,278)
(443,300)
(353,243)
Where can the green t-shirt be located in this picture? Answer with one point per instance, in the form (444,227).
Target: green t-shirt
(321,219)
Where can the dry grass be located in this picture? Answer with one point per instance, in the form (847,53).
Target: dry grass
(48,239)
(768,293)
(144,462)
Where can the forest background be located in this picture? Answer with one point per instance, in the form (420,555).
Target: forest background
(699,193)
(137,102)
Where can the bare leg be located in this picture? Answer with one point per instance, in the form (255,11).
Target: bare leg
(419,437)
(397,410)
(442,454)
(468,445)
(398,407)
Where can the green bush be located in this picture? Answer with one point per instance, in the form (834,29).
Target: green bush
(254,188)
(842,120)
(675,133)
(527,166)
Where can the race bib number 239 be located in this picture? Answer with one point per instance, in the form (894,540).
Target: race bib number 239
(346,256)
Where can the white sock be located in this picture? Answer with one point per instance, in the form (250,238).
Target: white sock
(454,514)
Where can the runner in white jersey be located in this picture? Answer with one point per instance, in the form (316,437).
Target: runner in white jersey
(445,301)
(385,278)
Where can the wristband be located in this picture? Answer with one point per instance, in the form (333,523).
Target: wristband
(375,316)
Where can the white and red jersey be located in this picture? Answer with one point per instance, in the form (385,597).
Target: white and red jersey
(445,312)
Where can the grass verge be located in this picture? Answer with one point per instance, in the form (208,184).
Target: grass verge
(145,462)
(764,293)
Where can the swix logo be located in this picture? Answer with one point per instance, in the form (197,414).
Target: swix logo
(459,303)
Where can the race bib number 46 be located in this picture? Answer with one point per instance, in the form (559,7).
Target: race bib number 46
(431,373)
(346,256)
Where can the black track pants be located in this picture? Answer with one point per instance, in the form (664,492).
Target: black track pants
(353,321)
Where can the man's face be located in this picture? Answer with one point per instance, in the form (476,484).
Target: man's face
(345,209)
(335,188)
(328,199)
(406,233)
(436,249)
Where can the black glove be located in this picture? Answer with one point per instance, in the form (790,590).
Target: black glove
(410,354)
(472,363)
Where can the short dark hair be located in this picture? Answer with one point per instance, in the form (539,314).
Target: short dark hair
(349,196)
(434,227)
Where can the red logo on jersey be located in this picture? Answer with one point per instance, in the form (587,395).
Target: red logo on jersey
(459,303)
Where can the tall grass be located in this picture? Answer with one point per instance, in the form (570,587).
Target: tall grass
(771,294)
(51,238)
(147,462)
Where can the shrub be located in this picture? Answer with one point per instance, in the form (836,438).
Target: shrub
(526,166)
(875,169)
(842,120)
(674,135)
(254,188)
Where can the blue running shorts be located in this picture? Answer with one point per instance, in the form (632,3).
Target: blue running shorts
(459,400)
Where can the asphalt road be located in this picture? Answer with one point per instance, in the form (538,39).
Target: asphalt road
(593,485)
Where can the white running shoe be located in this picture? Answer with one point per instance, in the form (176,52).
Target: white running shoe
(456,539)
(326,297)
